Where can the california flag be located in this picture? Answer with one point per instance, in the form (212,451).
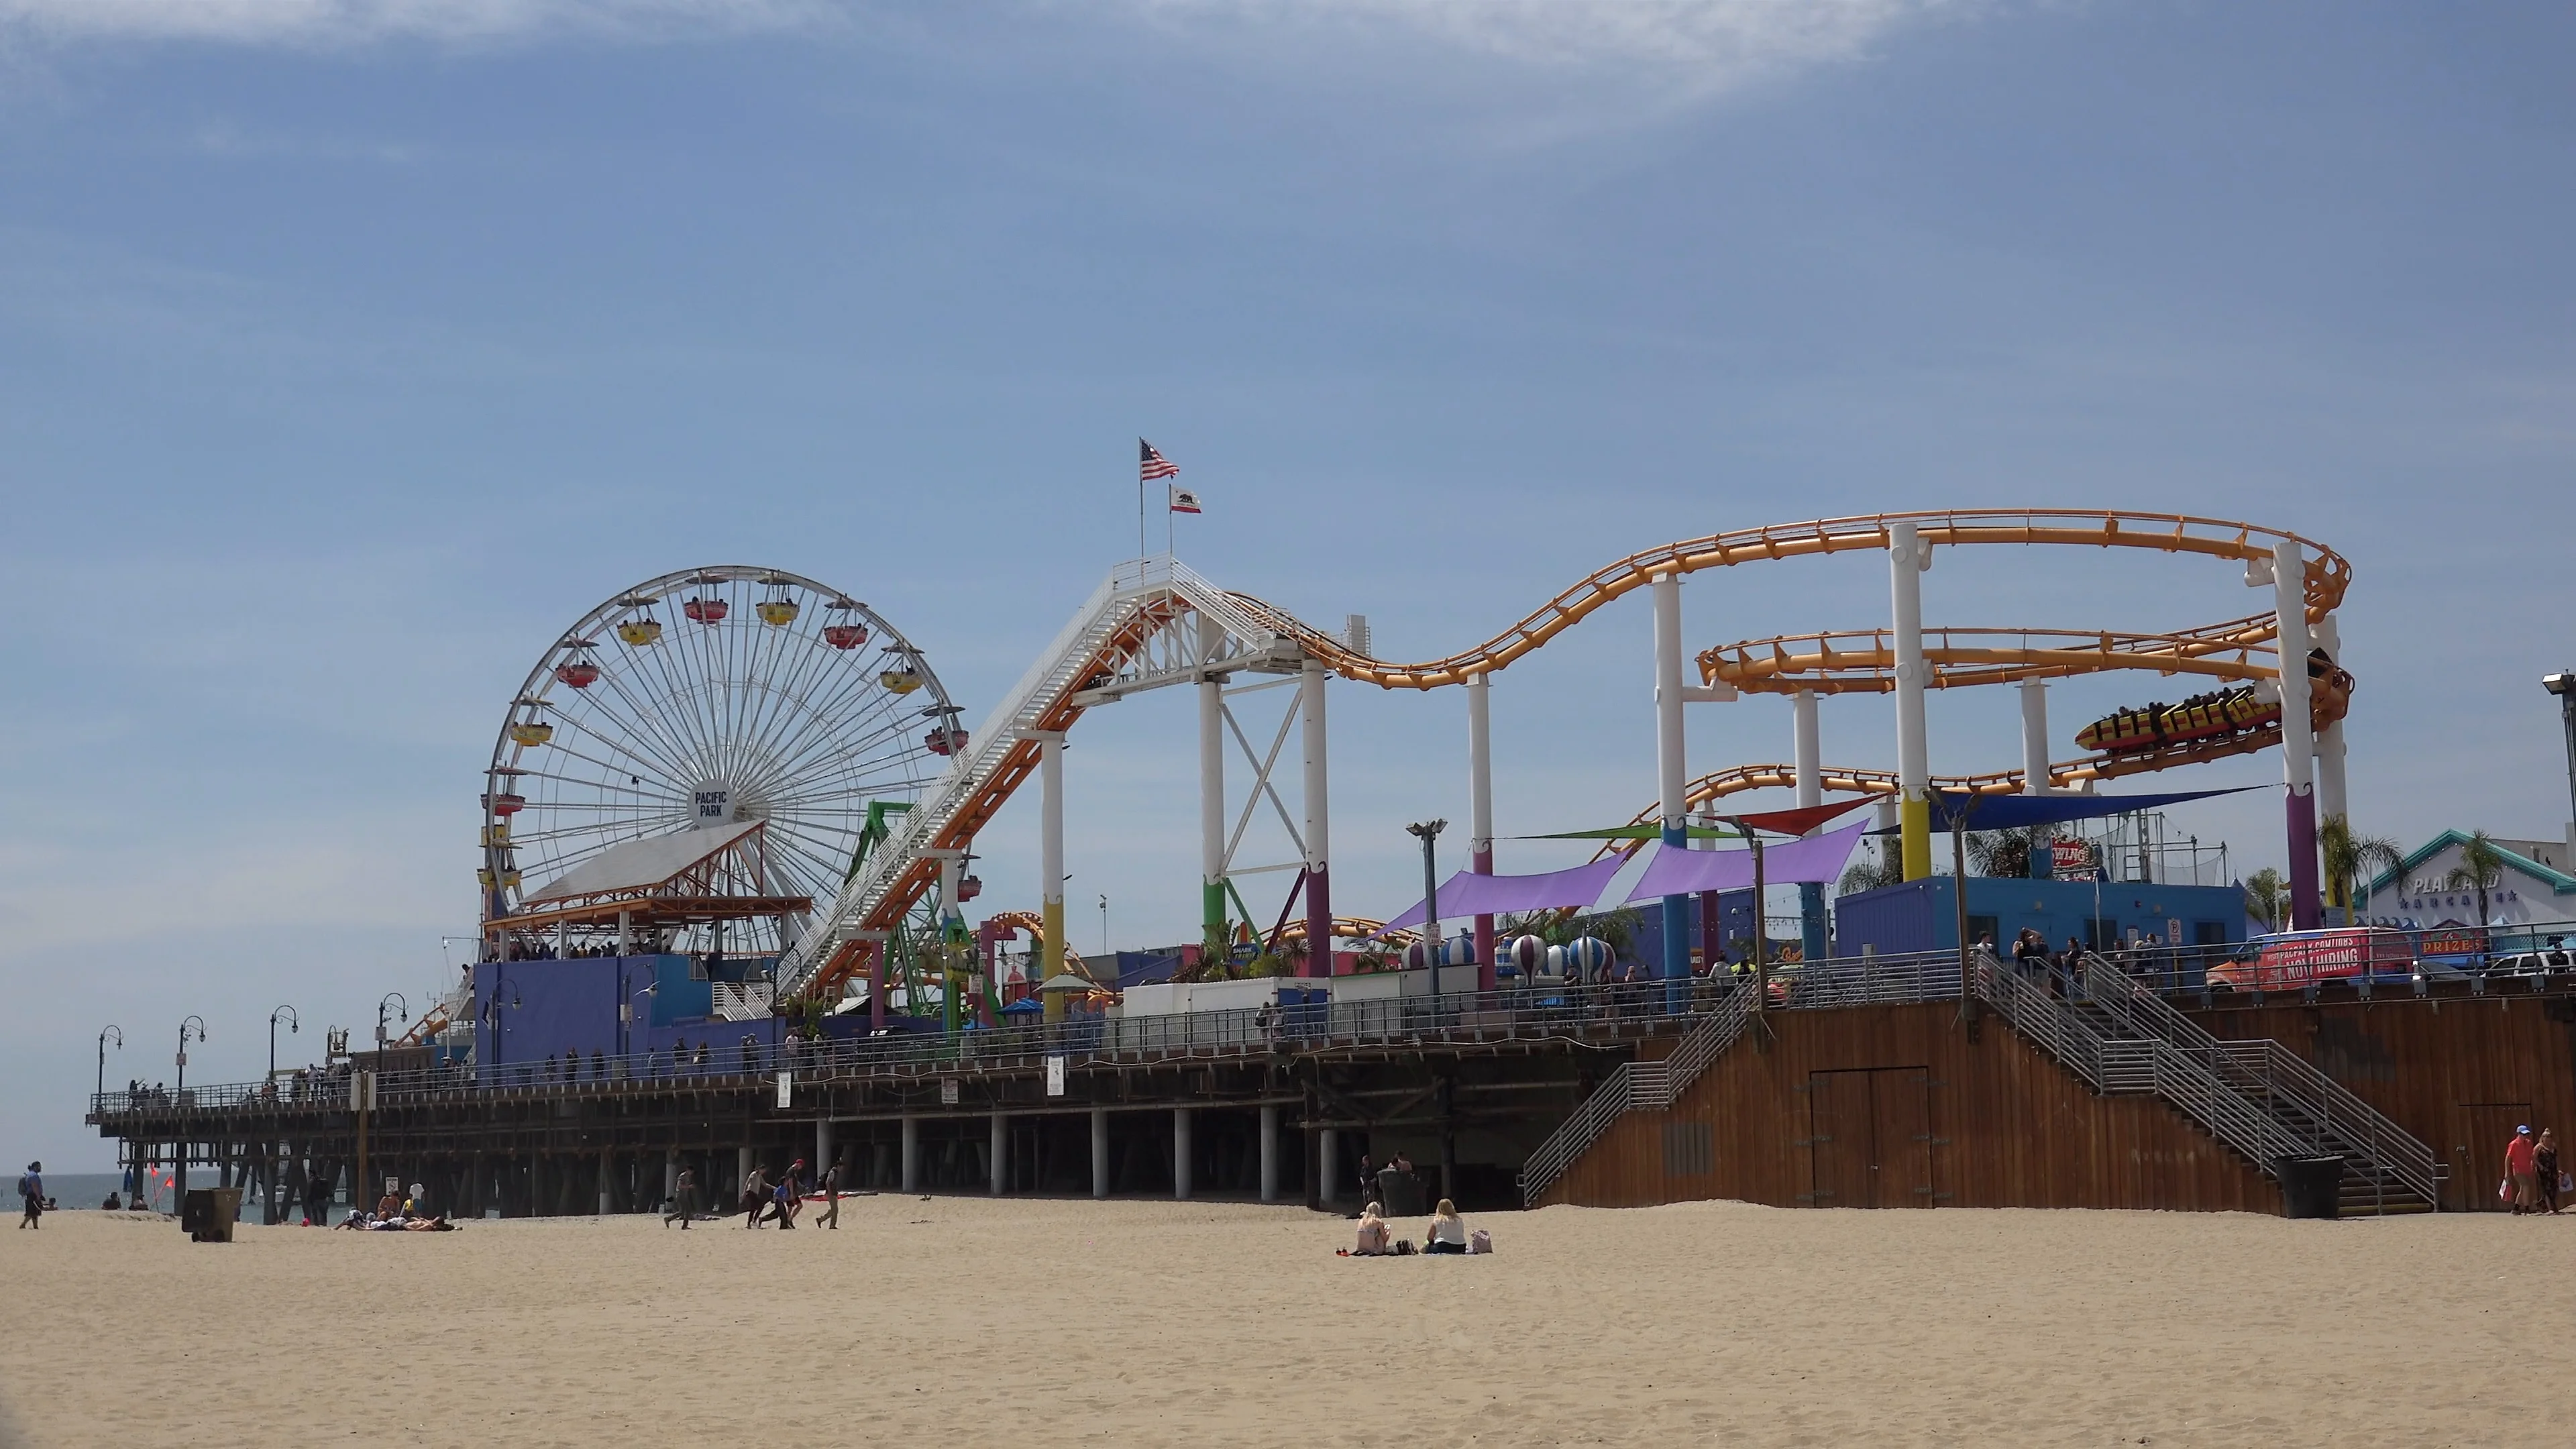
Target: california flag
(1183,500)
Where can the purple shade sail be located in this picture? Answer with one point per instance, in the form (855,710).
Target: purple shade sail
(1817,860)
(1465,894)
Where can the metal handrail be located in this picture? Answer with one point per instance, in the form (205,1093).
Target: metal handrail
(1645,1086)
(2335,1119)
(2144,1064)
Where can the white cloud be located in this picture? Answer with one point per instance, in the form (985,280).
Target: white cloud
(1713,37)
(339,21)
(1723,36)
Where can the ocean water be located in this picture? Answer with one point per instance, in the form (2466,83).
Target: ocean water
(78,1191)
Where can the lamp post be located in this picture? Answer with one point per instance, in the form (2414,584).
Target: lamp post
(109,1031)
(390,996)
(2563,684)
(292,1025)
(1104,928)
(1428,832)
(199,1023)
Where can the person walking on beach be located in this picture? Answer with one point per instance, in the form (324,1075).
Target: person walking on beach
(755,1197)
(31,1192)
(684,1200)
(831,1217)
(2518,1165)
(2544,1168)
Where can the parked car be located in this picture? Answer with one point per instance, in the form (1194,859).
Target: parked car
(2293,960)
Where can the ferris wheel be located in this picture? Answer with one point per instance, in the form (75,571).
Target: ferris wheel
(713,697)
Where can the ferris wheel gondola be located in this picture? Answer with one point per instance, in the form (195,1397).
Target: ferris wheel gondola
(761,709)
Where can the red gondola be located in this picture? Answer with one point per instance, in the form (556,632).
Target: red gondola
(505,805)
(845,636)
(579,673)
(706,611)
(945,741)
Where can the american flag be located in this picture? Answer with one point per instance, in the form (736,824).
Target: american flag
(1153,465)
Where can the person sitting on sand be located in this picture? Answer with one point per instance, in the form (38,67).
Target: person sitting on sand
(1448,1230)
(1376,1238)
(111,1205)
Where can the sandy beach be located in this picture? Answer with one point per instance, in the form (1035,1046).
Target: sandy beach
(966,1321)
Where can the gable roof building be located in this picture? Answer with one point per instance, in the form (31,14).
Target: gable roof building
(2536,886)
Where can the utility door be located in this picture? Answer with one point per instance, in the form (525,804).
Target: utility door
(1838,1121)
(1870,1134)
(2478,1138)
(1901,1130)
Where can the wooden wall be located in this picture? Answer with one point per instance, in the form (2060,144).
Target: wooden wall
(2459,1072)
(1935,1121)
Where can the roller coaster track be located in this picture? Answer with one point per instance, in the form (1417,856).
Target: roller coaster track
(1133,633)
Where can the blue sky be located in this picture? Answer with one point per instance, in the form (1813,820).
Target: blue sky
(350,350)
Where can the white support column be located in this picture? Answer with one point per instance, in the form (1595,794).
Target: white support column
(1100,1152)
(1807,756)
(997,1161)
(625,933)
(1671,779)
(1212,903)
(822,1148)
(2330,776)
(1807,748)
(1180,1152)
(1480,813)
(2298,739)
(1319,891)
(741,1169)
(911,1164)
(1050,856)
(1328,1183)
(1906,559)
(1269,1152)
(670,1178)
(2034,736)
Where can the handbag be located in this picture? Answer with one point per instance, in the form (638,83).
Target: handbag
(2504,1190)
(2567,1182)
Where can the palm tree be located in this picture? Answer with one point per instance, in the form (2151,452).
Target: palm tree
(2351,858)
(2481,867)
(2005,852)
(2266,895)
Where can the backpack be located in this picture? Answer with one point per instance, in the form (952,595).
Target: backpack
(1480,1241)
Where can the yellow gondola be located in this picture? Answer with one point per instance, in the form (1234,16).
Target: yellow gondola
(901,681)
(531,732)
(777,611)
(639,632)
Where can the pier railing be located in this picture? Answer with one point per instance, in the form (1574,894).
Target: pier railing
(1540,1009)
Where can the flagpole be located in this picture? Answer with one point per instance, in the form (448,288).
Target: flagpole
(1140,513)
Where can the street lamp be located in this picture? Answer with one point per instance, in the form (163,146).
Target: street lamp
(390,996)
(199,1023)
(292,1025)
(1428,832)
(1104,928)
(104,1034)
(2563,684)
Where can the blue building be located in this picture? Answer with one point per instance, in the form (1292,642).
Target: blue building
(1922,915)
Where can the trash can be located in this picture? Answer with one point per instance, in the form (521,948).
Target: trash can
(2311,1187)
(1400,1193)
(207,1213)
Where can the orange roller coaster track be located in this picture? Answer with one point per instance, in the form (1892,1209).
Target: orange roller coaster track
(1117,627)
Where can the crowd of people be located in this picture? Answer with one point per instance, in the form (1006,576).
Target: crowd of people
(396,1213)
